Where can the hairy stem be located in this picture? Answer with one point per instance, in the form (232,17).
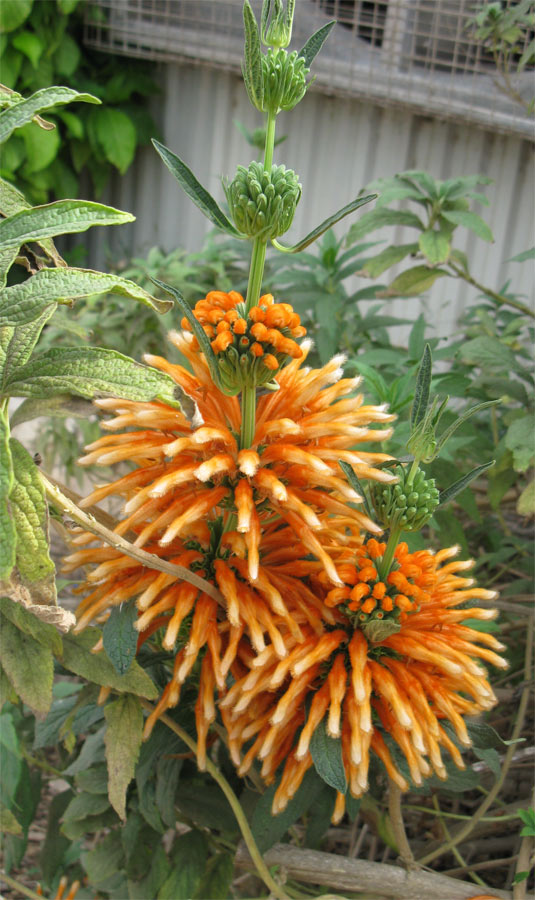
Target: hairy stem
(150,560)
(250,842)
(383,565)
(500,298)
(398,826)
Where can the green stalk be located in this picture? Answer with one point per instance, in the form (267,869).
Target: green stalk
(412,472)
(248,411)
(383,566)
(218,776)
(256,273)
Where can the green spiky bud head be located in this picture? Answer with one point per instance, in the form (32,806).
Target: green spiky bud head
(284,80)
(262,204)
(277,23)
(409,504)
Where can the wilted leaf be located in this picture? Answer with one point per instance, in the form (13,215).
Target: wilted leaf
(8,537)
(8,822)
(525,505)
(30,515)
(123,740)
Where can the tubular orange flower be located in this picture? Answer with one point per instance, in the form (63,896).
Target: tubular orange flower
(383,675)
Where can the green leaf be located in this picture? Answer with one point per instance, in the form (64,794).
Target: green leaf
(77,657)
(62,406)
(197,329)
(24,111)
(26,621)
(456,488)
(217,878)
(104,861)
(267,828)
(124,718)
(315,43)
(85,804)
(388,257)
(327,755)
(28,665)
(378,218)
(41,147)
(6,690)
(23,302)
(528,818)
(519,439)
(8,822)
(252,64)
(328,223)
(92,751)
(13,13)
(354,481)
(195,191)
(29,43)
(167,776)
(491,758)
(445,436)
(422,388)
(11,768)
(412,282)
(469,220)
(206,805)
(522,257)
(525,505)
(60,217)
(489,353)
(116,135)
(8,536)
(67,56)
(485,737)
(94,780)
(91,372)
(11,202)
(435,246)
(55,844)
(120,637)
(521,876)
(30,515)
(189,862)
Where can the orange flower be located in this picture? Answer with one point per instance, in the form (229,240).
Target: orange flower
(382,675)
(62,886)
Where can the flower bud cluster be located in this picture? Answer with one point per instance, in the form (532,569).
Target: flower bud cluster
(409,504)
(250,347)
(262,204)
(283,79)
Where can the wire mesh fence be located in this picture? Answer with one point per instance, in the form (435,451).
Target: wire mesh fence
(420,54)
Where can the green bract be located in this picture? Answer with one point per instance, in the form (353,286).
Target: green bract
(284,80)
(262,204)
(409,504)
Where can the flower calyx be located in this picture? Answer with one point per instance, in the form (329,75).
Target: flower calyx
(276,24)
(408,504)
(250,348)
(284,80)
(262,204)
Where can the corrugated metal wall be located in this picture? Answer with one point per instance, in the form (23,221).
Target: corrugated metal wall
(337,146)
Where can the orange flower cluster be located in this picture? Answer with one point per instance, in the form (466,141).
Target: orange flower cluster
(267,333)
(376,695)
(62,887)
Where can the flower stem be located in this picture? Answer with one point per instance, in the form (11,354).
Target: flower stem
(270,139)
(398,827)
(383,566)
(17,886)
(248,416)
(256,273)
(248,837)
(412,472)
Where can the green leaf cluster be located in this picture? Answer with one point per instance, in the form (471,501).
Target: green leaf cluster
(41,45)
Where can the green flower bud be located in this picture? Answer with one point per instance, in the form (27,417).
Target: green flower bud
(262,204)
(284,80)
(409,505)
(278,31)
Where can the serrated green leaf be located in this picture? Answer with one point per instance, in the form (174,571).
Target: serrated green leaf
(327,755)
(30,515)
(11,202)
(28,665)
(462,483)
(195,191)
(92,751)
(77,657)
(116,135)
(23,302)
(388,257)
(412,282)
(315,43)
(325,225)
(24,111)
(8,535)
(469,220)
(422,388)
(378,218)
(26,621)
(435,246)
(91,372)
(268,829)
(217,878)
(59,217)
(189,862)
(120,637)
(13,13)
(252,65)
(62,406)
(16,344)
(490,353)
(85,804)
(8,822)
(124,718)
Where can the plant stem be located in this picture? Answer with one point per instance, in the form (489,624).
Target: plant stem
(398,827)
(454,849)
(256,273)
(412,472)
(383,566)
(17,886)
(500,298)
(248,416)
(464,832)
(150,560)
(250,842)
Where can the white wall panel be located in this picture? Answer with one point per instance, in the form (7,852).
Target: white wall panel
(336,145)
